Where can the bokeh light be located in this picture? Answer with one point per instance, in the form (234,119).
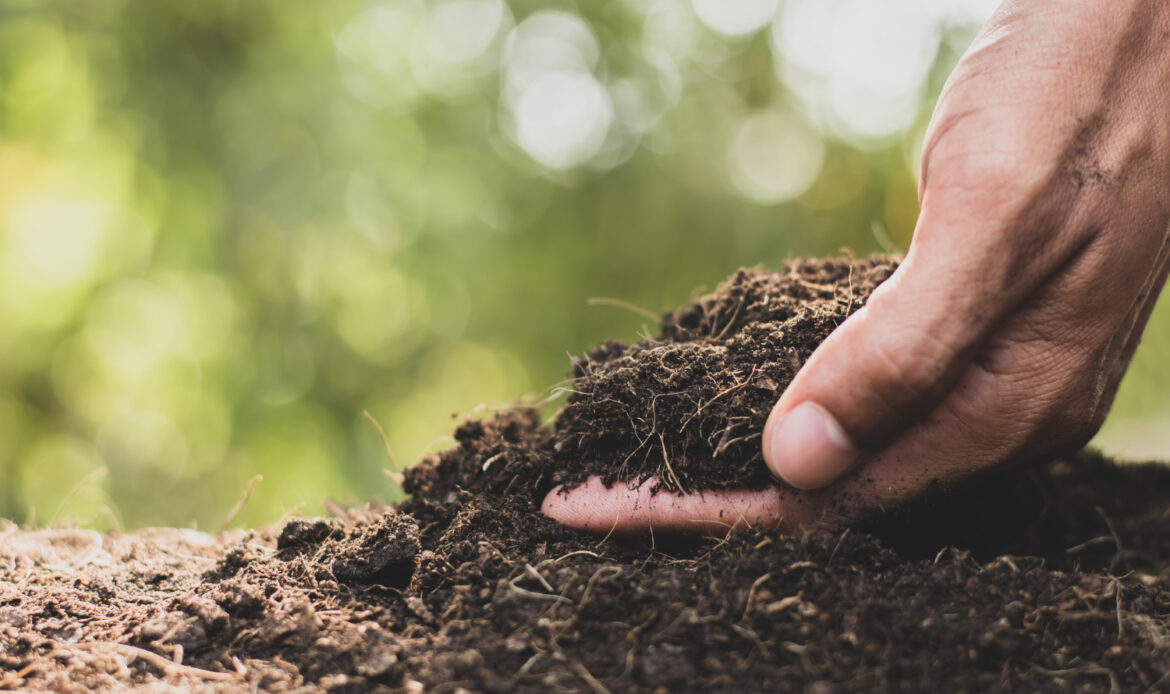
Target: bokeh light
(735,18)
(825,51)
(774,158)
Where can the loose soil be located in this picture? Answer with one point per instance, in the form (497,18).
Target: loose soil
(1048,577)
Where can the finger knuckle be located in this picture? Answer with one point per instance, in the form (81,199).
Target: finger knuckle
(976,165)
(911,366)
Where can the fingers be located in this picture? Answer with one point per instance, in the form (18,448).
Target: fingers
(625,510)
(885,367)
(1039,387)
(1006,406)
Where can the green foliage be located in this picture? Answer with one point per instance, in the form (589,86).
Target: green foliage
(229,228)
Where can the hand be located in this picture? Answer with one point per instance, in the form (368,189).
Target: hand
(1039,252)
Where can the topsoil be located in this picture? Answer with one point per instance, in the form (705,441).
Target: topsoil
(1053,576)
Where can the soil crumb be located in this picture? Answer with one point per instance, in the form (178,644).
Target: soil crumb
(1048,578)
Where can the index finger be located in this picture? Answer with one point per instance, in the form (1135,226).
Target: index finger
(628,510)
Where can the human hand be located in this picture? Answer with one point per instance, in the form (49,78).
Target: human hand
(1038,255)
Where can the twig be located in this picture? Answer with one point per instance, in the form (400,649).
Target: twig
(1116,538)
(747,606)
(576,553)
(749,634)
(154,659)
(543,596)
(1117,604)
(385,441)
(235,510)
(81,484)
(594,683)
(730,389)
(1114,684)
(536,574)
(731,321)
(1090,543)
(530,572)
(619,303)
(17,676)
(614,570)
(666,459)
(527,666)
(836,547)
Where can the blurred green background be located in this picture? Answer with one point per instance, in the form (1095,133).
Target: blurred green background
(227,228)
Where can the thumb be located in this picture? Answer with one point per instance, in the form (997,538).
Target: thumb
(894,360)
(886,366)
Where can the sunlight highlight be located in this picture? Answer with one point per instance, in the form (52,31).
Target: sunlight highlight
(736,17)
(774,158)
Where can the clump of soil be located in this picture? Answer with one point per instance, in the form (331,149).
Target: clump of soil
(1054,577)
(689,406)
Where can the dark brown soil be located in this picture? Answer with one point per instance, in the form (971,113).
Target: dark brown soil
(689,406)
(1054,577)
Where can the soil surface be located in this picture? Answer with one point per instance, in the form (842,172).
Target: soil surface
(1051,577)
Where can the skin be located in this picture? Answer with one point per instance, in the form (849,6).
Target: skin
(1039,252)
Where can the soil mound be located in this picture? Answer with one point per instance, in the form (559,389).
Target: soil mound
(1054,577)
(689,406)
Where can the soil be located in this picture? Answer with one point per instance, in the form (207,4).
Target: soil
(689,406)
(1049,577)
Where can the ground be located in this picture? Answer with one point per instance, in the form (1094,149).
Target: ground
(1050,576)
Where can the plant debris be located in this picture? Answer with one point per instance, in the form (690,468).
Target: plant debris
(1046,578)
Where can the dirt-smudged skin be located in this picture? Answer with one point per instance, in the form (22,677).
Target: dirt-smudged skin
(1056,582)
